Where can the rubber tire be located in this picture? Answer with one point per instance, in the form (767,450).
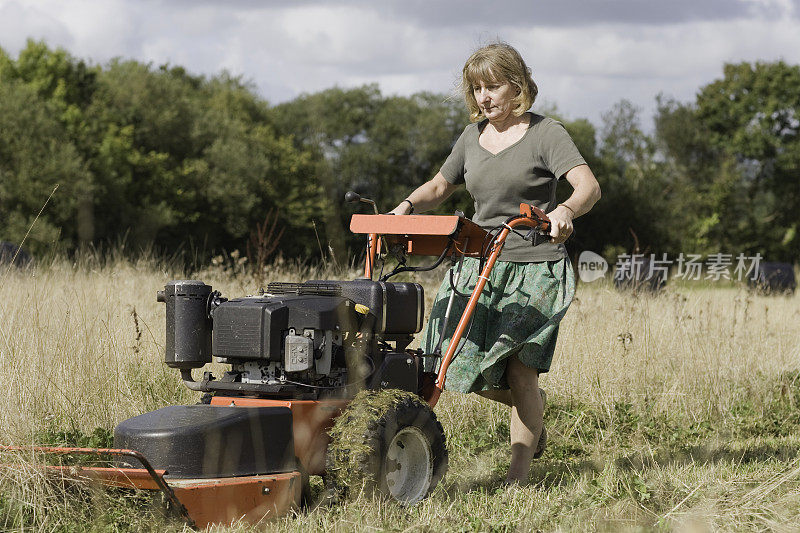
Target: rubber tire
(360,450)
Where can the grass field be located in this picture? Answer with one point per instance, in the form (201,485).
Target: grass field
(676,412)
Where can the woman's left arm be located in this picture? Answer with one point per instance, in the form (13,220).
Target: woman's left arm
(585,195)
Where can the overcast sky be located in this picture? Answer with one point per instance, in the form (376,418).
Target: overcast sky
(585,54)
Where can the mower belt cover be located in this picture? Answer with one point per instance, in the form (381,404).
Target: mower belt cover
(207,441)
(399,308)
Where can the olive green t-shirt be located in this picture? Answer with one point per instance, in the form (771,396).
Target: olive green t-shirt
(527,171)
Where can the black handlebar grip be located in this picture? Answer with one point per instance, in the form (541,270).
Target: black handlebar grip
(351,197)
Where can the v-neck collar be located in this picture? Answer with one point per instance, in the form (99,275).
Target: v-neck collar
(485,122)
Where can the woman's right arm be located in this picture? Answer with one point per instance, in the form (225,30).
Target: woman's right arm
(427,196)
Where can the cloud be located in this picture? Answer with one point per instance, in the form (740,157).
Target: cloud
(19,21)
(513,13)
(567,13)
(585,54)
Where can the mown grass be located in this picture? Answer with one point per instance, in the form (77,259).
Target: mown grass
(675,412)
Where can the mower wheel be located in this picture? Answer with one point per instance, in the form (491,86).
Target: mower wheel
(388,442)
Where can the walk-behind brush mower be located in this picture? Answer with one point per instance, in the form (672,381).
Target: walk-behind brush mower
(321,382)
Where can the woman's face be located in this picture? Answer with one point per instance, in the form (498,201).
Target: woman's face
(494,98)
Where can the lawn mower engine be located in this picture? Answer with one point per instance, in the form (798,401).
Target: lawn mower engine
(296,340)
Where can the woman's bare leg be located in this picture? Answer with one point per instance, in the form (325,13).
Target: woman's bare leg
(498,395)
(526,418)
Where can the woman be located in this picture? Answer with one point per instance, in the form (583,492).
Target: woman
(506,156)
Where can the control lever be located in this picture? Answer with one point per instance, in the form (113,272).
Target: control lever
(352,197)
(541,232)
(537,236)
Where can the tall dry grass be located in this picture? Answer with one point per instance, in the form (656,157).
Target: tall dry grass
(692,349)
(649,401)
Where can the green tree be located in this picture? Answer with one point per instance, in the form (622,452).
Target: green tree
(53,74)
(35,156)
(751,115)
(381,147)
(190,158)
(735,152)
(155,155)
(331,124)
(67,86)
(703,176)
(639,194)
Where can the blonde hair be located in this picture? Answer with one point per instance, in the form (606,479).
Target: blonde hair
(498,62)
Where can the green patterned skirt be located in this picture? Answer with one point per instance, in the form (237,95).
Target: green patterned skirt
(518,314)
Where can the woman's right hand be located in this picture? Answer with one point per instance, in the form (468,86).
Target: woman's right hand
(560,223)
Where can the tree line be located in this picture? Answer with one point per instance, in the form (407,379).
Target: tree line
(154,156)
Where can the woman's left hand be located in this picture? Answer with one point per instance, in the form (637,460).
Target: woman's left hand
(560,224)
